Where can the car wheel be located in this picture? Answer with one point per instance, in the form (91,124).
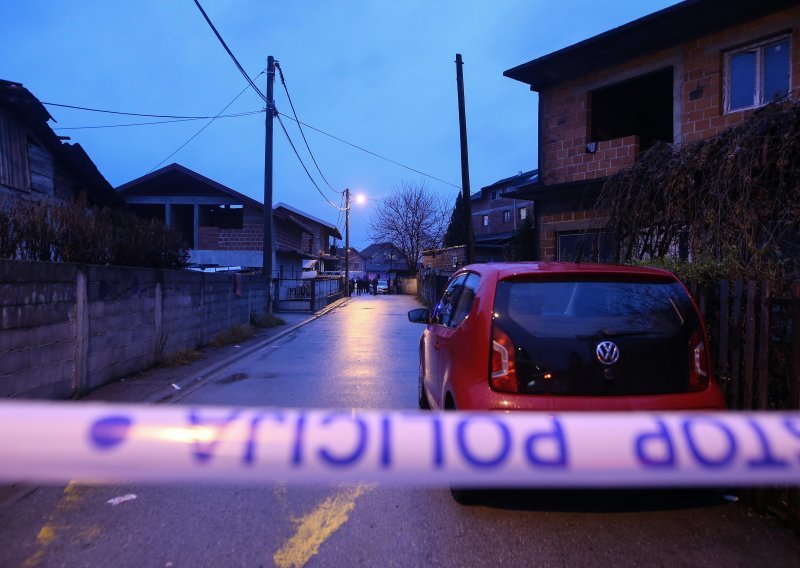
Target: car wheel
(422,399)
(464,496)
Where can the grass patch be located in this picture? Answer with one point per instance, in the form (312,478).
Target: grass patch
(265,320)
(236,334)
(182,357)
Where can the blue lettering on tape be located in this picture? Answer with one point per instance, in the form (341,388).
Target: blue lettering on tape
(109,432)
(505,446)
(348,459)
(204,451)
(655,449)
(250,446)
(533,448)
(689,426)
(768,459)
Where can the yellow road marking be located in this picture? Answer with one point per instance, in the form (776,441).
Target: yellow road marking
(51,530)
(318,526)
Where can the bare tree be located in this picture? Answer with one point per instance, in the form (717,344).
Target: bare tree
(412,218)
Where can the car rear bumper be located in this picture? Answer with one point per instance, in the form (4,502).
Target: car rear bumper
(481,397)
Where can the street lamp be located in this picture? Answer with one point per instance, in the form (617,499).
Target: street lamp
(358,199)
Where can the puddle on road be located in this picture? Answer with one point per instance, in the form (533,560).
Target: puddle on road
(232,379)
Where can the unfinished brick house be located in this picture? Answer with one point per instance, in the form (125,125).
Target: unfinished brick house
(224,228)
(679,75)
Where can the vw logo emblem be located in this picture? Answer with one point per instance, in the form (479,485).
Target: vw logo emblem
(607,353)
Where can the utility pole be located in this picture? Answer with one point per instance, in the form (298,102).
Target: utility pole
(267,244)
(347,241)
(462,122)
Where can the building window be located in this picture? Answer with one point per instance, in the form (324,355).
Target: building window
(495,194)
(585,246)
(757,75)
(485,221)
(523,213)
(507,216)
(455,262)
(641,106)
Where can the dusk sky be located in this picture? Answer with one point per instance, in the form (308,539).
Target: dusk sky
(378,74)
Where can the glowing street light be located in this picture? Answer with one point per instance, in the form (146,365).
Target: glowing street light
(360,199)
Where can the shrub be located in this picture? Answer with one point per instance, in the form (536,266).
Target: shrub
(69,232)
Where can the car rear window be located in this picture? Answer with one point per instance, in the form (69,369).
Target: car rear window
(581,306)
(557,326)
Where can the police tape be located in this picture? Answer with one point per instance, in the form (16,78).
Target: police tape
(59,442)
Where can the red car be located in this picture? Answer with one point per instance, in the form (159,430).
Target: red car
(563,337)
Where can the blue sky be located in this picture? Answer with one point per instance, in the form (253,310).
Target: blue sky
(378,74)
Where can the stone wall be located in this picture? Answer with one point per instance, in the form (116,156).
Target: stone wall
(68,328)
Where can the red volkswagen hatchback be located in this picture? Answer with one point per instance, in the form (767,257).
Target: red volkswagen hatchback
(563,336)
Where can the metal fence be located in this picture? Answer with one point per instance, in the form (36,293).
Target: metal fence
(308,294)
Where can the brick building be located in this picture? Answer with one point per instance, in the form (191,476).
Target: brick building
(679,75)
(497,215)
(223,227)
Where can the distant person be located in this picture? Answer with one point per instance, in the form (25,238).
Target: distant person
(352,286)
(375,286)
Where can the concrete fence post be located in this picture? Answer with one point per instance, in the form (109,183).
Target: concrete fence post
(80,340)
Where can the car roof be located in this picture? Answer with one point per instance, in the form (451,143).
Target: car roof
(502,270)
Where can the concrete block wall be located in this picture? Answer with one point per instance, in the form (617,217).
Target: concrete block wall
(37,302)
(66,328)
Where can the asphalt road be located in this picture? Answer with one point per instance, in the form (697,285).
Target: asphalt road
(363,354)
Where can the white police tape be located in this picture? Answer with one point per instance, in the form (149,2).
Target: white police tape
(58,442)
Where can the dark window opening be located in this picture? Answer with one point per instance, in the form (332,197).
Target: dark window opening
(222,216)
(182,220)
(149,211)
(640,106)
(585,246)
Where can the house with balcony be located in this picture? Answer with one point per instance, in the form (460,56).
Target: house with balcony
(36,163)
(224,228)
(679,75)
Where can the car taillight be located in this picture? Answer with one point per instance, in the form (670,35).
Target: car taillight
(698,363)
(504,364)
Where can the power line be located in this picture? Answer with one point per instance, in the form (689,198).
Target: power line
(371,153)
(230,53)
(236,115)
(296,153)
(294,112)
(128,113)
(196,134)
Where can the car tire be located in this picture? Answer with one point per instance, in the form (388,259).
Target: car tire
(464,496)
(422,398)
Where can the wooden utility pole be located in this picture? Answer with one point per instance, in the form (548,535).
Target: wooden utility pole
(347,242)
(462,122)
(267,241)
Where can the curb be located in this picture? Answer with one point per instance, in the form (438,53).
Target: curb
(169,395)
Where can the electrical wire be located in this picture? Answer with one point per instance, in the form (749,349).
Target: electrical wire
(236,115)
(127,113)
(296,153)
(372,153)
(196,134)
(230,53)
(297,120)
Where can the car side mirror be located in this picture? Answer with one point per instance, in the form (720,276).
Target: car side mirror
(420,315)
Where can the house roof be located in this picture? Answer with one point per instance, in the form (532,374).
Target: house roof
(663,29)
(334,229)
(513,182)
(175,177)
(20,101)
